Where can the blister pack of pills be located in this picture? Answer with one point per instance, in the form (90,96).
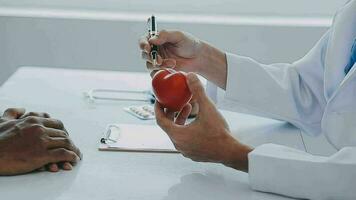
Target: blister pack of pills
(144,112)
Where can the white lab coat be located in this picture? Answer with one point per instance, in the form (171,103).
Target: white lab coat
(314,95)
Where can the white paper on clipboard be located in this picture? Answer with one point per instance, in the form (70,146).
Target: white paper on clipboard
(136,137)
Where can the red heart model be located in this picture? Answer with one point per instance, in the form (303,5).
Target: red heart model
(171,89)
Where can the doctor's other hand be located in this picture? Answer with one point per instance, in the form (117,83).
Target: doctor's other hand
(207,138)
(176,49)
(180,50)
(187,53)
(33,141)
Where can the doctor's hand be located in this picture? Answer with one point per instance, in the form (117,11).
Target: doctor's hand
(31,141)
(207,138)
(176,49)
(187,53)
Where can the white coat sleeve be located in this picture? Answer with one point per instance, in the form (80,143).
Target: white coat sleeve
(288,92)
(294,93)
(287,171)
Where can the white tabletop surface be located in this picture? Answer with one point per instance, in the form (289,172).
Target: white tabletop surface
(124,175)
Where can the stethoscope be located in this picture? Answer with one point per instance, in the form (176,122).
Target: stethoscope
(109,95)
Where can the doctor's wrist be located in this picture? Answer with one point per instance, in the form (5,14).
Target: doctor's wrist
(213,65)
(237,157)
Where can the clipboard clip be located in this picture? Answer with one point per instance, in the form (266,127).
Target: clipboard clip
(111,134)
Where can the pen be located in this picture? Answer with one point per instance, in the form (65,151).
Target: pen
(152,31)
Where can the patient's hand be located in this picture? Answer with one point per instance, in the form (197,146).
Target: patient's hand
(31,141)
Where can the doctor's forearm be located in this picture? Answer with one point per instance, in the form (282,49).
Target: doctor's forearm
(214,67)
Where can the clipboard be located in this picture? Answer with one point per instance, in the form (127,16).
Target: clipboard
(136,138)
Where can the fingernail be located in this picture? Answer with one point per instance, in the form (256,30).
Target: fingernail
(53,168)
(67,166)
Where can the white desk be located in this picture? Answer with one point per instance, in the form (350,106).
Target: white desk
(120,175)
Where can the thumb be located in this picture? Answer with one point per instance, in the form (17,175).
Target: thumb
(197,89)
(14,113)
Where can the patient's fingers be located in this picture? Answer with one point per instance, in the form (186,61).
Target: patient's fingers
(67,166)
(66,143)
(62,155)
(56,133)
(52,123)
(36,114)
(14,113)
(52,167)
(47,122)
